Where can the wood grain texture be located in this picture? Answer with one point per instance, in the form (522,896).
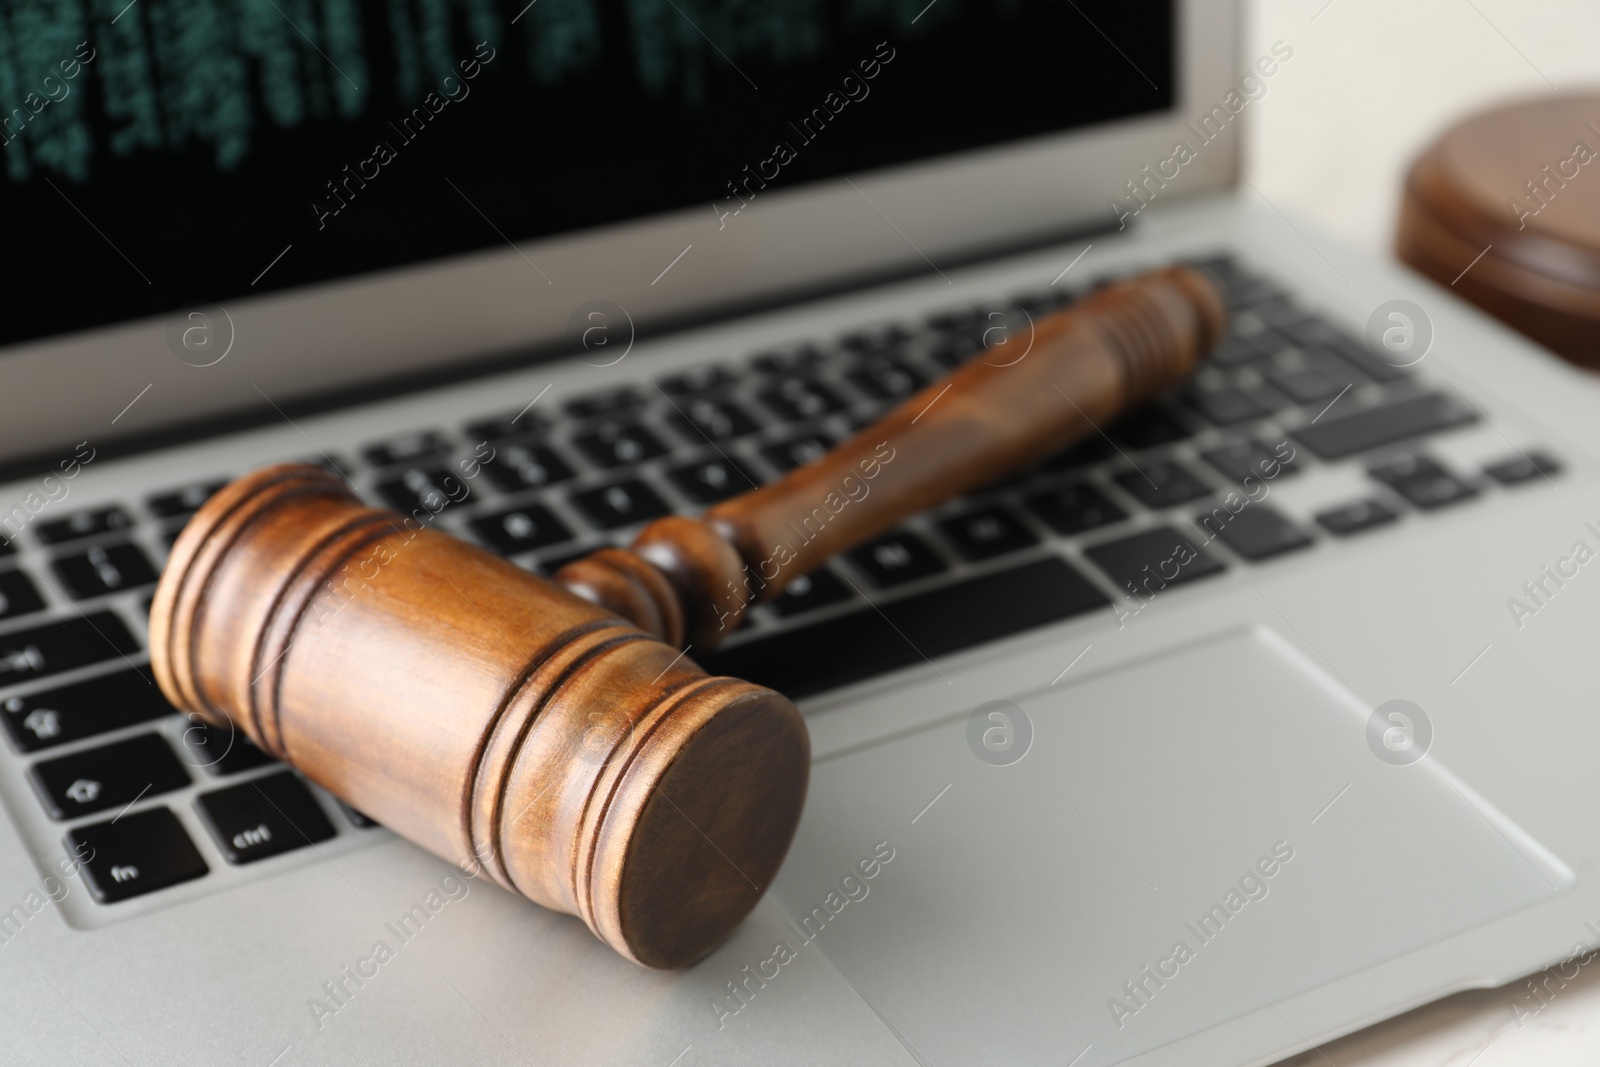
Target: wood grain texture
(489,716)
(1082,368)
(1503,210)
(552,734)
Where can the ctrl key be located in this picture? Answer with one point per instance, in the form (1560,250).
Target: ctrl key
(264,817)
(135,854)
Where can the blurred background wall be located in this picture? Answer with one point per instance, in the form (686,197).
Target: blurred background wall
(1373,81)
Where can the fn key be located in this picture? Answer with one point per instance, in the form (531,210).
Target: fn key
(264,817)
(135,854)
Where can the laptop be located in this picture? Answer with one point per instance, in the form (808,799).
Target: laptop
(645,255)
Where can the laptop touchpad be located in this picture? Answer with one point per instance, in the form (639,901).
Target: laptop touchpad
(1182,839)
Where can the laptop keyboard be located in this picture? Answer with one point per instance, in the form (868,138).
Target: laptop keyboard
(1061,539)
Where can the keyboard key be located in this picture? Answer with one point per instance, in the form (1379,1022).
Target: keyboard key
(619,444)
(810,591)
(697,380)
(1238,460)
(883,337)
(705,418)
(801,399)
(990,325)
(622,504)
(1328,365)
(110,776)
(18,595)
(82,524)
(1361,358)
(951,350)
(265,817)
(1251,292)
(1221,266)
(605,402)
(1523,468)
(410,448)
(104,569)
(798,451)
(983,493)
(56,716)
(1086,453)
(886,379)
(1268,342)
(426,489)
(507,424)
(711,480)
(183,502)
(1304,385)
(792,359)
(135,854)
(960,320)
(62,646)
(1279,312)
(1224,407)
(1162,484)
(897,559)
(522,464)
(1423,481)
(987,533)
(1239,287)
(1257,532)
(1231,351)
(521,529)
(1146,428)
(221,750)
(1151,560)
(1308,330)
(1073,509)
(1345,436)
(861,644)
(1355,518)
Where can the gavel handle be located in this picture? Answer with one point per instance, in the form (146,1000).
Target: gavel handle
(1071,374)
(512,727)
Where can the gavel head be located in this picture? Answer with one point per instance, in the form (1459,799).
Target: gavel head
(492,717)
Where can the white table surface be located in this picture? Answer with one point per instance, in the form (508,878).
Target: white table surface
(1373,81)
(1370,84)
(1557,1026)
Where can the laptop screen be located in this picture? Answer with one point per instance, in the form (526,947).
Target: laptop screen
(161,153)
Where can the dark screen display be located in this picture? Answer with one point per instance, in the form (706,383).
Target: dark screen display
(170,152)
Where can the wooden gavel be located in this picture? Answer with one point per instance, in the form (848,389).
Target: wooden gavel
(552,733)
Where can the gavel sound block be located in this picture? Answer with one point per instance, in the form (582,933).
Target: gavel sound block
(552,733)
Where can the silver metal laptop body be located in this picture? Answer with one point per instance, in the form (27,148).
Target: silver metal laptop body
(1071,803)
